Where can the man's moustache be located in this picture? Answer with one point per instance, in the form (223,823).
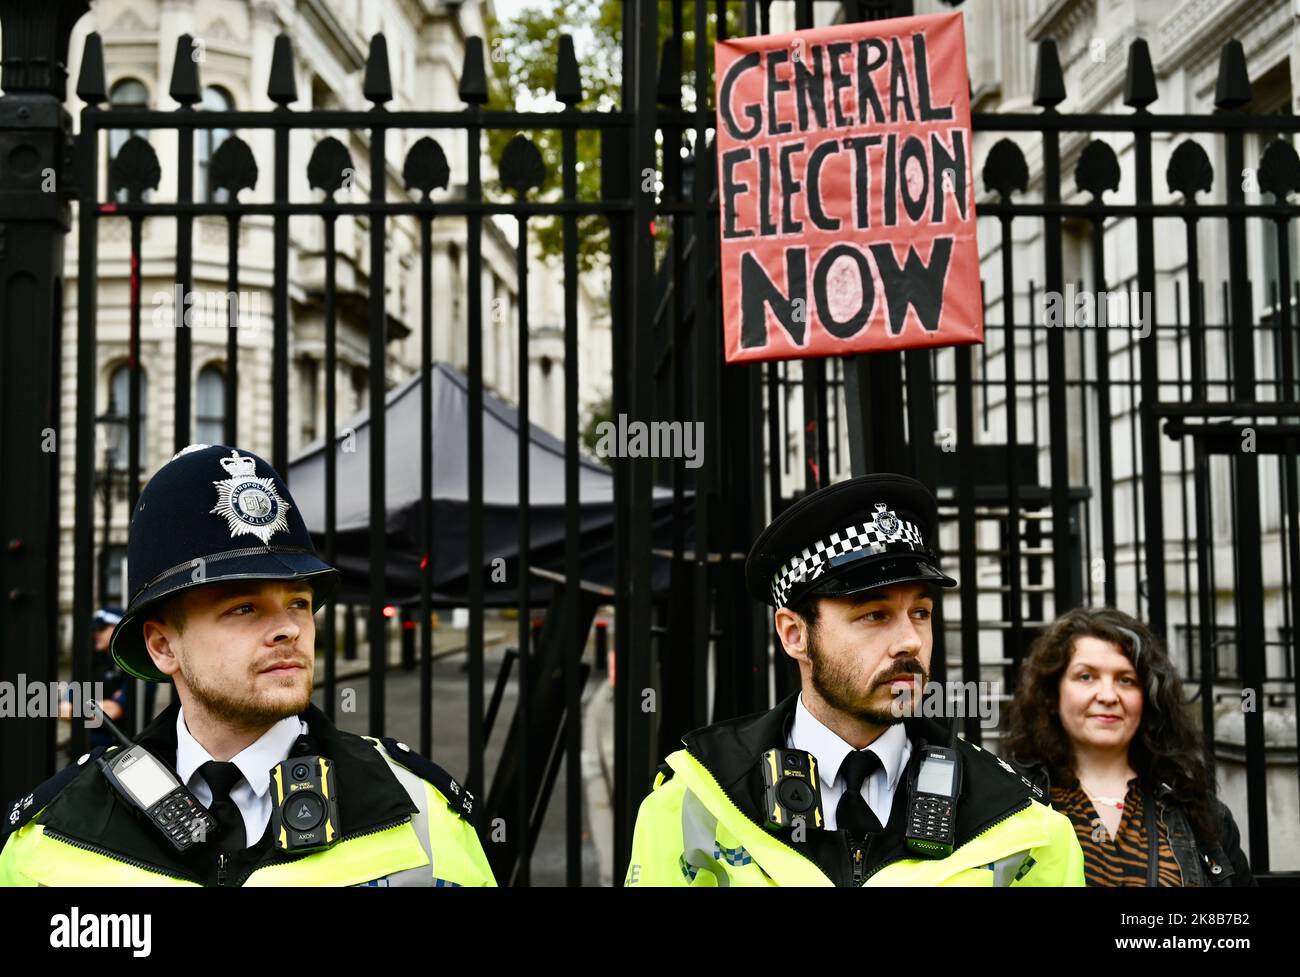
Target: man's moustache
(907,668)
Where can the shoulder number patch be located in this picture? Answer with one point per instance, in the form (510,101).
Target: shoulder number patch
(29,805)
(460,799)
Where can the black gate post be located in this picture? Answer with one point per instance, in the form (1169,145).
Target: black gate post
(873,382)
(35,133)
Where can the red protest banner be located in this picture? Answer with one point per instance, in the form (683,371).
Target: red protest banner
(846,188)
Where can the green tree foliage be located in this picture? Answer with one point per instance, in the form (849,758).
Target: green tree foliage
(522,56)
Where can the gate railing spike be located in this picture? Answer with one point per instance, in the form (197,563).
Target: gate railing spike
(282,87)
(185,73)
(568,82)
(473,73)
(1049,83)
(1139,77)
(1232,87)
(91,86)
(378,84)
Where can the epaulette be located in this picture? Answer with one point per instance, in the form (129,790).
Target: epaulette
(458,798)
(29,805)
(664,775)
(1009,770)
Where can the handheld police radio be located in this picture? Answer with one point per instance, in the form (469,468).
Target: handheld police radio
(932,803)
(305,812)
(145,783)
(791,788)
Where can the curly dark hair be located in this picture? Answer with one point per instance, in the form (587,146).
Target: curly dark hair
(1167,747)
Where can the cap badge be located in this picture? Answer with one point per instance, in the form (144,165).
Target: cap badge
(886,520)
(250,504)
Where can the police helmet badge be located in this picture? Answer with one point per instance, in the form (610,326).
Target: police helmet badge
(886,521)
(250,504)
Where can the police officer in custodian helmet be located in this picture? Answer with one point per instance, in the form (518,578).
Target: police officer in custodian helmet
(846,783)
(241,780)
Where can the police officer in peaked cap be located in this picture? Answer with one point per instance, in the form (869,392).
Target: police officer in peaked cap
(224,581)
(819,790)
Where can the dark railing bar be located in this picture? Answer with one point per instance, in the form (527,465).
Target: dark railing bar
(1168,210)
(376,623)
(1265,408)
(523,442)
(132,118)
(388,208)
(573,803)
(1083,123)
(230,424)
(185,281)
(331,460)
(498,691)
(427,565)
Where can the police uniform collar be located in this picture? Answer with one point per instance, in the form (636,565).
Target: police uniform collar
(811,734)
(88,810)
(731,750)
(254,761)
(369,794)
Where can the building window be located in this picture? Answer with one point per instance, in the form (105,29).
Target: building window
(214,100)
(127,93)
(117,417)
(210,406)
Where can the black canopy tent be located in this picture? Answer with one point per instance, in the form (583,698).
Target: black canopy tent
(451,501)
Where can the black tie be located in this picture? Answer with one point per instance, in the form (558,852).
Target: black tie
(854,814)
(230,823)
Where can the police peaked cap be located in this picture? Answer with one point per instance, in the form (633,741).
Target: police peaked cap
(857,535)
(211,514)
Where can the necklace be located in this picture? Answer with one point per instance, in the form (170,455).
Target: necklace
(1115,802)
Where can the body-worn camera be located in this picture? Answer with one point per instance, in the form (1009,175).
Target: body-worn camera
(305,815)
(791,788)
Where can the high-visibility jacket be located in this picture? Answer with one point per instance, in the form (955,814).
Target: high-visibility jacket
(403,822)
(703,823)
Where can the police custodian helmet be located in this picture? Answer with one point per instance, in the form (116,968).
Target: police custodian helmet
(857,535)
(212,513)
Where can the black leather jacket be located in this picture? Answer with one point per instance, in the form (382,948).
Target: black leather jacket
(1221,864)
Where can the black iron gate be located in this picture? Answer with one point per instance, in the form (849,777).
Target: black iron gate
(1030,520)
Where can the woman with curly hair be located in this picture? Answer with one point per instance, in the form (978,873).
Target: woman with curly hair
(1098,722)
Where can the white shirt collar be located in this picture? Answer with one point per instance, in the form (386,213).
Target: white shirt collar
(810,734)
(254,761)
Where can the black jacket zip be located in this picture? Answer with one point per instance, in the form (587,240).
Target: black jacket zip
(125,859)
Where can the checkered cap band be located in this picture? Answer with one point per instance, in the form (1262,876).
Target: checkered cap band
(868,538)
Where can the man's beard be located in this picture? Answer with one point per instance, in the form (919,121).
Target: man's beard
(836,688)
(242,713)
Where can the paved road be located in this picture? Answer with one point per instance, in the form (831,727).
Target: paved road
(451,734)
